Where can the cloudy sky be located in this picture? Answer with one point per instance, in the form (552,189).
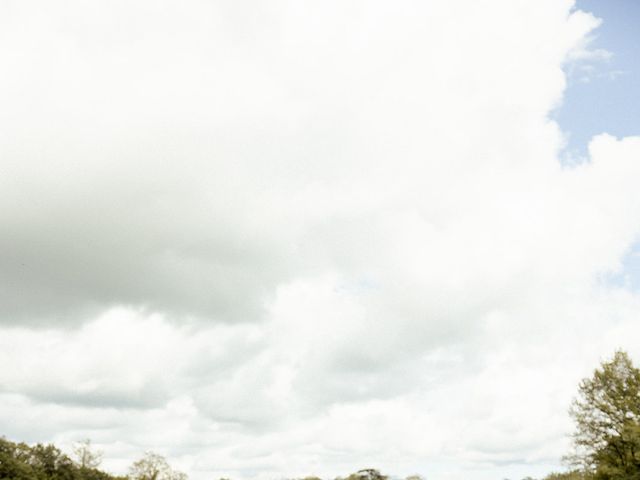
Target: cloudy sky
(271,239)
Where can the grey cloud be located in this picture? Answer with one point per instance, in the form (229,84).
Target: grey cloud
(150,397)
(186,251)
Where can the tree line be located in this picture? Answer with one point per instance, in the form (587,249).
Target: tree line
(19,461)
(605,443)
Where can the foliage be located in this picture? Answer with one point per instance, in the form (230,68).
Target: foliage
(607,416)
(414,477)
(85,456)
(154,467)
(14,461)
(367,474)
(19,461)
(571,475)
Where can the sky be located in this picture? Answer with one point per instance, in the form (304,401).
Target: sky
(602,94)
(281,239)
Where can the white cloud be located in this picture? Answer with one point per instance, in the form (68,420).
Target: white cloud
(288,239)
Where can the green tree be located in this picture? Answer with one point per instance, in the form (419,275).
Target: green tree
(50,463)
(571,475)
(367,474)
(13,461)
(607,416)
(19,461)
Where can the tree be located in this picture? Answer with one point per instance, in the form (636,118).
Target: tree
(85,456)
(414,477)
(49,462)
(367,474)
(571,475)
(154,467)
(607,416)
(13,461)
(19,461)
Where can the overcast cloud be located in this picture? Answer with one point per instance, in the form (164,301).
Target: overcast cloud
(284,238)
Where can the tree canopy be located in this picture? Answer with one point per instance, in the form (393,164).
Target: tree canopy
(607,417)
(154,467)
(19,461)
